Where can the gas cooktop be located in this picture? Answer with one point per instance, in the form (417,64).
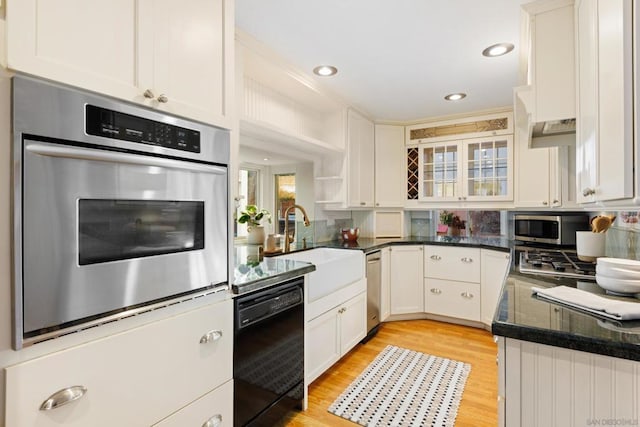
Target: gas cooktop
(555,262)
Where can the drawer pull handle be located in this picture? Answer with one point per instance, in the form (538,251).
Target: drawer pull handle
(466,259)
(214,421)
(436,291)
(211,336)
(62,397)
(466,295)
(436,257)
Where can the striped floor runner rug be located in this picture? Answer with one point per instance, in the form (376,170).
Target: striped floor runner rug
(404,388)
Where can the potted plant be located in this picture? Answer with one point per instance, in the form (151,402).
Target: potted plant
(252,216)
(446,218)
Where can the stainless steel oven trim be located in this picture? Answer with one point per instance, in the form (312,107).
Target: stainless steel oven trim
(34,99)
(123,315)
(116,157)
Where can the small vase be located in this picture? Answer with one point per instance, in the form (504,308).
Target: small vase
(256,235)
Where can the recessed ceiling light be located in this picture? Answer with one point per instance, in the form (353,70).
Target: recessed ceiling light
(455,96)
(325,70)
(266,159)
(498,49)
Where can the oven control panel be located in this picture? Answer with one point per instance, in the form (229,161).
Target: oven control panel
(116,125)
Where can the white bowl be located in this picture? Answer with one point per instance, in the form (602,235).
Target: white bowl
(617,272)
(629,264)
(621,286)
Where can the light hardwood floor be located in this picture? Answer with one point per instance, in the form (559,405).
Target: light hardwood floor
(475,346)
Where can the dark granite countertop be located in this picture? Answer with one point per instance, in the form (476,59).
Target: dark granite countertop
(525,317)
(370,245)
(253,270)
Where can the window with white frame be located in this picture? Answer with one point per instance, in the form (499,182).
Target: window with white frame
(248,191)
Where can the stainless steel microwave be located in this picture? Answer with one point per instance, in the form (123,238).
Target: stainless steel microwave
(549,229)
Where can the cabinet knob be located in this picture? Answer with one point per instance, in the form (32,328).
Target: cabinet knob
(62,397)
(466,295)
(211,336)
(148,94)
(555,202)
(214,421)
(545,203)
(435,257)
(459,198)
(588,192)
(467,260)
(436,291)
(162,98)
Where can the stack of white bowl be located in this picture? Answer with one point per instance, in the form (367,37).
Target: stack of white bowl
(618,275)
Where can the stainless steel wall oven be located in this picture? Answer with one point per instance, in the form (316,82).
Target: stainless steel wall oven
(117,208)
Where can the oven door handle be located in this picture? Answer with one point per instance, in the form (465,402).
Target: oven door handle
(115,157)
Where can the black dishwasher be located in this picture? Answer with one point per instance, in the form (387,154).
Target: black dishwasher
(268,354)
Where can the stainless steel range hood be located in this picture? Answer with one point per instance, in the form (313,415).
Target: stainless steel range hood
(554,128)
(551,133)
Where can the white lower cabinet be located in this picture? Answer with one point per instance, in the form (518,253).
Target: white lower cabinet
(214,408)
(332,334)
(542,385)
(495,266)
(136,377)
(450,298)
(407,291)
(452,263)
(452,281)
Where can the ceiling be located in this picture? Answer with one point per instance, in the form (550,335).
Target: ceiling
(396,59)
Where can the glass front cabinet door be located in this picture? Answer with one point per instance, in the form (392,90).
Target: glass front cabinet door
(439,171)
(488,164)
(478,169)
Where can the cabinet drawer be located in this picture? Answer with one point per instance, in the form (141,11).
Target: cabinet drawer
(454,299)
(136,377)
(215,407)
(452,263)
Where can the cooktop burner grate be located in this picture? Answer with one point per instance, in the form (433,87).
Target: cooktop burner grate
(561,263)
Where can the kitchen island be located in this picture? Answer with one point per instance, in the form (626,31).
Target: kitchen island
(561,366)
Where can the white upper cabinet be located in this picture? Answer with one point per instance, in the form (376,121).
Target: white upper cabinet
(166,55)
(360,161)
(477,169)
(390,179)
(604,135)
(460,160)
(551,60)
